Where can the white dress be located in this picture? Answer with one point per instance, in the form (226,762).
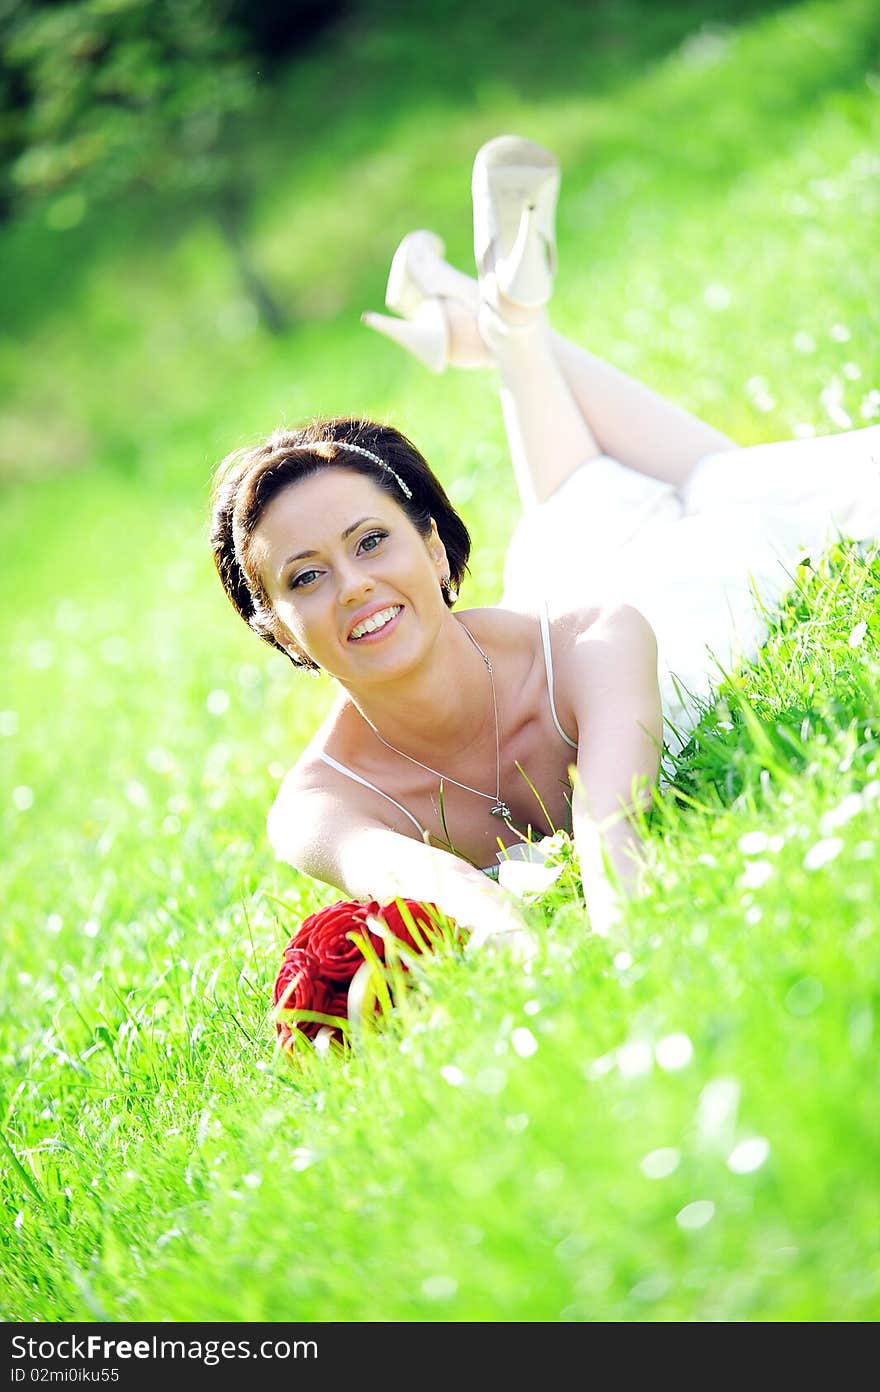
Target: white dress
(694,561)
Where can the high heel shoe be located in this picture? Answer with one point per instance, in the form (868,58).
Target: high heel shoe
(515,187)
(438,305)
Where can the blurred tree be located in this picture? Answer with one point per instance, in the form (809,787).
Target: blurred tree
(99,96)
(277,28)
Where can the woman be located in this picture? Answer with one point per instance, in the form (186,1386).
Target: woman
(455,733)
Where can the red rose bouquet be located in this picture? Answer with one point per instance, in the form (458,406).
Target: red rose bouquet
(334,955)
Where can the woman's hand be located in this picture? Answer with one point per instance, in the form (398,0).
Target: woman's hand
(503,928)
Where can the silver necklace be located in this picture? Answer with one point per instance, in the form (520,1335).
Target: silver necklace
(501,808)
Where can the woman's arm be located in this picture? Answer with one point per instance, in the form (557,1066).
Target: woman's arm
(611,683)
(332,839)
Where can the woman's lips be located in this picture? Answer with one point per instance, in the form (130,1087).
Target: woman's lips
(378,633)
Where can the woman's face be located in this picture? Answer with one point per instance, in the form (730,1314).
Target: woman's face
(349,577)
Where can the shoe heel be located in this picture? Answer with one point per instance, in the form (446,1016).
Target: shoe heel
(418,252)
(425,335)
(525,275)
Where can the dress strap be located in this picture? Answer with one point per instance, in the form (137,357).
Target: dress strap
(548,665)
(349,773)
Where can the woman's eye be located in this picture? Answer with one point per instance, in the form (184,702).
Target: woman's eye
(305,577)
(372,540)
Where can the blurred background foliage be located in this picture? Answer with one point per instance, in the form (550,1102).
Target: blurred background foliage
(105,97)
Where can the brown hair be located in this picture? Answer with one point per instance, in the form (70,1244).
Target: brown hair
(246,481)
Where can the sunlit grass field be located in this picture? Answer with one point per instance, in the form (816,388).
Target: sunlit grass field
(679,1125)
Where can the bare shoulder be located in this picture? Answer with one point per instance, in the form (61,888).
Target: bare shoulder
(591,626)
(316,809)
(604,656)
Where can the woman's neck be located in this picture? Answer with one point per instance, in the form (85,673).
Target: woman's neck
(443,704)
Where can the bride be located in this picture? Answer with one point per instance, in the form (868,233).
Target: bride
(462,737)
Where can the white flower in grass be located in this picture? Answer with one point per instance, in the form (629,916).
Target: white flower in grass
(159,760)
(524,1042)
(635,1058)
(695,1215)
(659,1164)
(452,1075)
(756,874)
(857,634)
(844,812)
(753,842)
(673,1052)
(804,342)
(22,798)
(748,1155)
(870,406)
(822,852)
(600,1066)
(717,1109)
(136,793)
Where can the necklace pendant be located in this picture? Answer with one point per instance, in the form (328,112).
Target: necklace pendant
(501,809)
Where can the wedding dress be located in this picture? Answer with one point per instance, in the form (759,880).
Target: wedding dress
(706,565)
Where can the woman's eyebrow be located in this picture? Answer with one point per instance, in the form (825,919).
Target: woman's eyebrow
(301,555)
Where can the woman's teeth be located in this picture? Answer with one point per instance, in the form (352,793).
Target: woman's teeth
(375,621)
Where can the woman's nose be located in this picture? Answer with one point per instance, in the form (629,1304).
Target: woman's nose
(354,584)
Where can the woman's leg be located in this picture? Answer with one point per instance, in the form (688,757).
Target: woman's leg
(548,433)
(562,407)
(634,424)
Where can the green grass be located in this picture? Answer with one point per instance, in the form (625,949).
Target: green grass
(160,1161)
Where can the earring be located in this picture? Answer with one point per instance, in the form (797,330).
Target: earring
(449,589)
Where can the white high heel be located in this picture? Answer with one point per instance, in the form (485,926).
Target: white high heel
(428,292)
(515,186)
(425,335)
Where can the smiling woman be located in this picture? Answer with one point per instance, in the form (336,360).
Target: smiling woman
(250,487)
(451,742)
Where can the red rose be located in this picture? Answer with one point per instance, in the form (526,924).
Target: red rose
(325,935)
(424,916)
(299,986)
(321,959)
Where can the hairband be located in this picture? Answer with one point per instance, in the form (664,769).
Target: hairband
(368,454)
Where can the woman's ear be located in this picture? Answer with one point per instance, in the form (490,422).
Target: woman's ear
(282,635)
(437,549)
